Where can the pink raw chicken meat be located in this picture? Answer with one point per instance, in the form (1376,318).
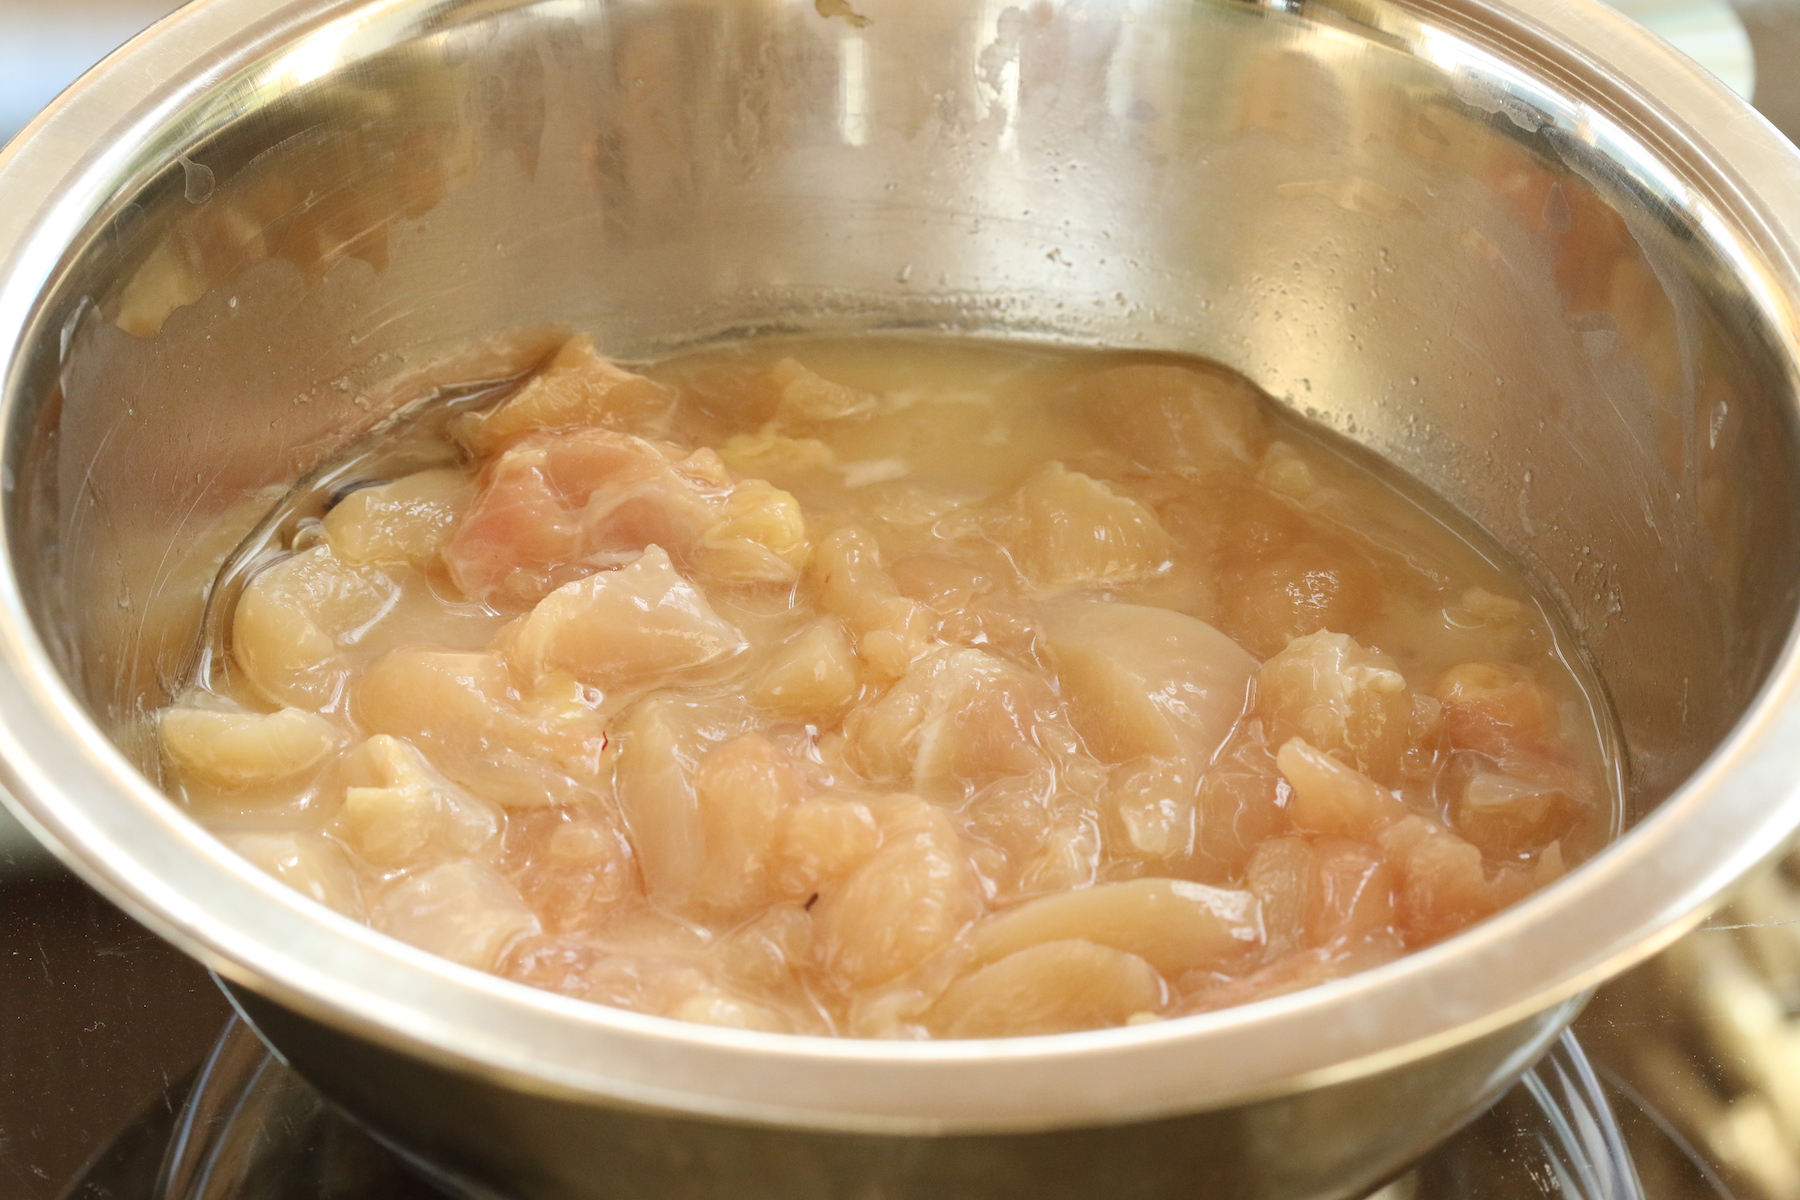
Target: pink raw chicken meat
(627,627)
(556,507)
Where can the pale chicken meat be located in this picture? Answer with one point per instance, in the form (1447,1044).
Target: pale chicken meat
(314,865)
(812,677)
(1175,925)
(1144,681)
(1076,532)
(297,620)
(759,538)
(1331,798)
(517,745)
(234,749)
(958,720)
(662,742)
(406,521)
(891,688)
(461,910)
(398,811)
(1343,698)
(1054,987)
(617,630)
(577,389)
(822,840)
(553,508)
(846,576)
(901,905)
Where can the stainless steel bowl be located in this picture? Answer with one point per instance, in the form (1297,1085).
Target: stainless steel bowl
(1526,252)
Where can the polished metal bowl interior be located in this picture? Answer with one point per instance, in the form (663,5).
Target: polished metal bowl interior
(1525,251)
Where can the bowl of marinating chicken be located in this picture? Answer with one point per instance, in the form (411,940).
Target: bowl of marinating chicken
(896,599)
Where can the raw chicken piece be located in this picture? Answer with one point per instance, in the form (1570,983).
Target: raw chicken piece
(463,911)
(398,811)
(944,583)
(1283,876)
(405,522)
(639,625)
(1007,823)
(808,399)
(957,721)
(1507,815)
(1067,857)
(1078,532)
(1173,418)
(1308,586)
(824,840)
(1426,752)
(1147,682)
(661,741)
(520,539)
(1149,807)
(1445,887)
(1342,698)
(768,953)
(670,985)
(1354,895)
(745,790)
(312,865)
(787,461)
(1288,973)
(891,631)
(811,677)
(1334,799)
(1242,802)
(759,538)
(295,619)
(463,709)
(1172,924)
(1283,570)
(577,388)
(971,606)
(1477,625)
(1496,709)
(712,1006)
(571,865)
(706,815)
(1058,987)
(903,904)
(556,507)
(231,750)
(563,965)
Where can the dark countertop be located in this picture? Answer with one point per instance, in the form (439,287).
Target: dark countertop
(98,1018)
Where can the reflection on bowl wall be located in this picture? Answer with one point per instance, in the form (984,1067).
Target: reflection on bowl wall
(1462,234)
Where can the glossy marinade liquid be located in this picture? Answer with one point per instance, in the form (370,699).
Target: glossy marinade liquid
(892,687)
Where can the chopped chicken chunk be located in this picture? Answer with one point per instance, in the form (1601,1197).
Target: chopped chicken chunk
(577,389)
(621,629)
(1148,681)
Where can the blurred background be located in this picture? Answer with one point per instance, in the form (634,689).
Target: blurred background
(102,1025)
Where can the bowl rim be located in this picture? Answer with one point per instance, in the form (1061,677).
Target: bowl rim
(80,795)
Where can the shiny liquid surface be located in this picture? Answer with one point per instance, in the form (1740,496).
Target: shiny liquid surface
(889,688)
